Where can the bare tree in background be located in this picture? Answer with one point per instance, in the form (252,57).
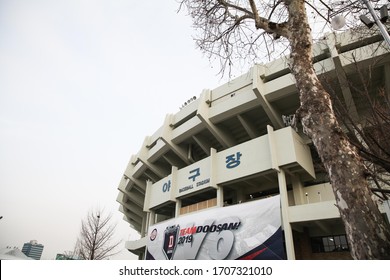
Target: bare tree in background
(235,30)
(96,239)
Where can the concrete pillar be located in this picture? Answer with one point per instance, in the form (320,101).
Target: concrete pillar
(152,218)
(299,196)
(285,219)
(178,207)
(144,226)
(220,199)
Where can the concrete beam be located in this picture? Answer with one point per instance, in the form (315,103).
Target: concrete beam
(258,86)
(167,138)
(248,126)
(203,143)
(203,114)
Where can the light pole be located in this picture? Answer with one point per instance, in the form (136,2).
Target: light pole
(378,22)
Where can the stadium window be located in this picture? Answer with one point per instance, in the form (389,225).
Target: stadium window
(331,243)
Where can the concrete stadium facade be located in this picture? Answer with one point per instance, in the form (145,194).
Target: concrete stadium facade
(239,136)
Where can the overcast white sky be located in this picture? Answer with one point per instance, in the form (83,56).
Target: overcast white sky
(82,82)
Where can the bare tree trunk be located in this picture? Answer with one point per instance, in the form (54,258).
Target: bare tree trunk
(346,170)
(96,237)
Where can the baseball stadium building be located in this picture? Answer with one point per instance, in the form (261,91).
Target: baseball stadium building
(228,177)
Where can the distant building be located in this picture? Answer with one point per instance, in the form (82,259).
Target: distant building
(33,249)
(64,257)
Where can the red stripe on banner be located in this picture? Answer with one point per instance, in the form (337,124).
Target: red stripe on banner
(253,255)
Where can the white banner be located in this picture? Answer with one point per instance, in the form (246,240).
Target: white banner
(249,230)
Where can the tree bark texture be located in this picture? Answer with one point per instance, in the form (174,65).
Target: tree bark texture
(367,232)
